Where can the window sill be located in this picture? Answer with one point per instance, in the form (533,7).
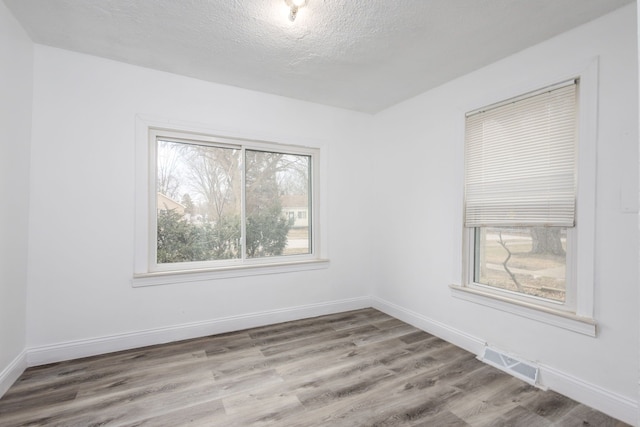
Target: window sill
(199,275)
(546,315)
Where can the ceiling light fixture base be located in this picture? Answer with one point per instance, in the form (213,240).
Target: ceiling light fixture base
(294,7)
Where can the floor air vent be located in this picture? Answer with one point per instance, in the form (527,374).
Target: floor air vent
(518,368)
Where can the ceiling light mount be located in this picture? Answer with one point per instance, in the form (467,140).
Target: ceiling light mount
(294,6)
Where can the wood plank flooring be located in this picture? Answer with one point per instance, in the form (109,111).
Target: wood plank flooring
(360,368)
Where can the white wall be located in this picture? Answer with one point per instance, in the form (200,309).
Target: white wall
(82,214)
(638,35)
(421,250)
(16,79)
(80,299)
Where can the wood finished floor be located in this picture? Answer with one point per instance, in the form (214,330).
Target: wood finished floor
(360,368)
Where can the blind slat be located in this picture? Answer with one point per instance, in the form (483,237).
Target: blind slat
(520,167)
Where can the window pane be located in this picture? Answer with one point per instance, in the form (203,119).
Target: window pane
(277,204)
(527,260)
(198,202)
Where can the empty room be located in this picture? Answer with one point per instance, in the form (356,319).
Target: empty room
(319,212)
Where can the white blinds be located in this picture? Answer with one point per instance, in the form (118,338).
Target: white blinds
(520,162)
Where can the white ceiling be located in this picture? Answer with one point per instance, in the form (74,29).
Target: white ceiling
(364,55)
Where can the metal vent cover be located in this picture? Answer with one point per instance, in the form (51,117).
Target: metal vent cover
(526,371)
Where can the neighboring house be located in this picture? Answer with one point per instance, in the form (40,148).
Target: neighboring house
(296,207)
(166,203)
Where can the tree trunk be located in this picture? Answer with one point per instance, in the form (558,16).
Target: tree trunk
(546,240)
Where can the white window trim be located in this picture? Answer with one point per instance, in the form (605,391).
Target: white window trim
(559,318)
(145,271)
(580,265)
(569,306)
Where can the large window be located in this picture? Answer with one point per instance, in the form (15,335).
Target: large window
(520,197)
(219,203)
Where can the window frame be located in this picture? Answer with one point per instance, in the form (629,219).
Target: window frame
(569,305)
(148,272)
(577,313)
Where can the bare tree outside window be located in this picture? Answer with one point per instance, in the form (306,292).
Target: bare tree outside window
(276,183)
(201,218)
(167,170)
(511,258)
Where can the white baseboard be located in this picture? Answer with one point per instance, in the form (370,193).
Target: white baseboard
(108,344)
(603,400)
(446,332)
(10,374)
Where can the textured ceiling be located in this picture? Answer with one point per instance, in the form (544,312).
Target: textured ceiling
(363,55)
